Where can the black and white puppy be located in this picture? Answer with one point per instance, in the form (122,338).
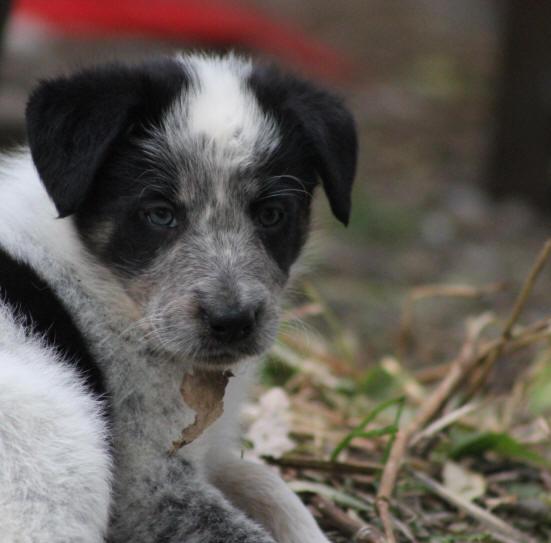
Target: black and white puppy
(150,229)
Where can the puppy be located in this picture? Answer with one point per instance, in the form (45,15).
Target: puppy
(148,230)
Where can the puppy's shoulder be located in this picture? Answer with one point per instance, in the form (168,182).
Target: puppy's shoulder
(32,311)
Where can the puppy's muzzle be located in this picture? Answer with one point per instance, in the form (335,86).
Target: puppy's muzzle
(231,325)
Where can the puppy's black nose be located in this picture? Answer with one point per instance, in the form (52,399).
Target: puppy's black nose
(232,325)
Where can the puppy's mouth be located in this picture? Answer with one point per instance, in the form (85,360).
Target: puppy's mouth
(204,350)
(218,359)
(217,354)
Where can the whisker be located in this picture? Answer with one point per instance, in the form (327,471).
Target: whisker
(282,193)
(274,178)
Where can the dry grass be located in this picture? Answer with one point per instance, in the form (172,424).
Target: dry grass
(391,455)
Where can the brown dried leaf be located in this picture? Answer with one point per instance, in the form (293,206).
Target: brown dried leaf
(203,391)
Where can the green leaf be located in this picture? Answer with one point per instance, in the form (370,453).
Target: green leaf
(401,402)
(275,372)
(360,432)
(540,389)
(377,382)
(500,443)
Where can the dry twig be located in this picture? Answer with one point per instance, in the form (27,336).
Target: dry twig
(501,530)
(301,462)
(519,338)
(428,409)
(358,531)
(469,358)
(443,422)
(433,291)
(479,379)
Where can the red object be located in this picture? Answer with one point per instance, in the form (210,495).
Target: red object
(208,21)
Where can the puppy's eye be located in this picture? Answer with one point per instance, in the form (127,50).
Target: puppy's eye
(160,215)
(270,215)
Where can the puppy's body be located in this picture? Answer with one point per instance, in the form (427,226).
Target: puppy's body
(184,187)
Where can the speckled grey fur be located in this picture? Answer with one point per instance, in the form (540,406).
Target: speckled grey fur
(144,323)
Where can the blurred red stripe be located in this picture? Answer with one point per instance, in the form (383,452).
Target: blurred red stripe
(214,22)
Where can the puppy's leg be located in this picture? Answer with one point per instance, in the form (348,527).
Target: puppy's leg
(263,495)
(54,458)
(173,504)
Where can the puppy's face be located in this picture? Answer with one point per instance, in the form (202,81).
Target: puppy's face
(192,181)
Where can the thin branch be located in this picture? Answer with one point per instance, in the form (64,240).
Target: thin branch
(457,371)
(505,532)
(520,302)
(358,531)
(299,462)
(520,337)
(443,422)
(527,287)
(433,291)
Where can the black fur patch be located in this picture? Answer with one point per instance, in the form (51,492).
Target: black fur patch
(126,183)
(73,123)
(42,312)
(316,127)
(292,193)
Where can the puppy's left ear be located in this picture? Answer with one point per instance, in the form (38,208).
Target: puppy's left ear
(327,128)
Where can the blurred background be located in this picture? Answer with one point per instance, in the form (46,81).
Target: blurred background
(428,81)
(453,104)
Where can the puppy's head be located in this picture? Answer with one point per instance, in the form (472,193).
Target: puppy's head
(192,179)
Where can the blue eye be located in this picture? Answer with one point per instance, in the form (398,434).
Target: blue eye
(161,215)
(270,215)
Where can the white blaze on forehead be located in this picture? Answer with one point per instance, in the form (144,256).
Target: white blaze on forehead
(219,108)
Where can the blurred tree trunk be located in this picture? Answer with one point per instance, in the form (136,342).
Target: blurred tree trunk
(521,155)
(5,6)
(4,12)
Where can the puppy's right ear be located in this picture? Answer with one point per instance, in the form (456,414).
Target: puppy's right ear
(71,125)
(73,122)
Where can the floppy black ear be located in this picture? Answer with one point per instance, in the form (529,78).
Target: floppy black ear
(327,127)
(73,122)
